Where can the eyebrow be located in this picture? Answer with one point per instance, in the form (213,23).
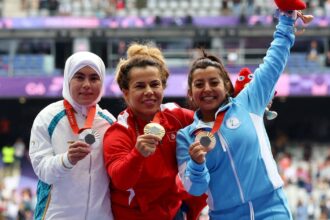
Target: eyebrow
(81,73)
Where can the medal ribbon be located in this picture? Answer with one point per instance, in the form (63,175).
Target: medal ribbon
(156,118)
(72,119)
(218,122)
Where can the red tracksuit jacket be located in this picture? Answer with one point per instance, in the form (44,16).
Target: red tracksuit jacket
(146,188)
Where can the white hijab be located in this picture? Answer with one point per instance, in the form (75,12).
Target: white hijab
(74,63)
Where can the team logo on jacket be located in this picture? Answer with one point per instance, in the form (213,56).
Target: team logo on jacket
(233,123)
(171,136)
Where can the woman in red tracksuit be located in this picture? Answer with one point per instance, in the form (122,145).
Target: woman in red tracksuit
(143,167)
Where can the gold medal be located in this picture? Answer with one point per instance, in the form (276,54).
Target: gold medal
(155,129)
(206,139)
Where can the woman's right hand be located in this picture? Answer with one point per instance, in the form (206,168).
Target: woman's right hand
(78,150)
(197,152)
(146,144)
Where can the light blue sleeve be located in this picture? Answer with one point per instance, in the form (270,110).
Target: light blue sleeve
(260,91)
(195,177)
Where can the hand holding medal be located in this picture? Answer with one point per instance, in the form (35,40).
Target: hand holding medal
(146,143)
(77,150)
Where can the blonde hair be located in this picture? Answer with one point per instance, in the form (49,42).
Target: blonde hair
(141,55)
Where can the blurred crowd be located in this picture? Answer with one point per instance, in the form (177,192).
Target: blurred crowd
(305,170)
(17,202)
(104,8)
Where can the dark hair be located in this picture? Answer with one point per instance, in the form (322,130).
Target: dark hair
(205,61)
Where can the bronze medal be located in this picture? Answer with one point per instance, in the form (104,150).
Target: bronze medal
(155,129)
(206,139)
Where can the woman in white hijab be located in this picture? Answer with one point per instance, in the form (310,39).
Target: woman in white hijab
(66,146)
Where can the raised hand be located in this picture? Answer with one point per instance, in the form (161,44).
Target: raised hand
(291,5)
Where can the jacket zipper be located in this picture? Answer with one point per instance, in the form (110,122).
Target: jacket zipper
(226,148)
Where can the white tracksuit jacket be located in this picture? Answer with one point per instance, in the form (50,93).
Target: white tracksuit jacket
(73,194)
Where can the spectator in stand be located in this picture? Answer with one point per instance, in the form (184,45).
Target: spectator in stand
(313,52)
(250,8)
(325,170)
(25,211)
(327,8)
(8,160)
(20,148)
(120,4)
(301,211)
(327,59)
(225,10)
(237,7)
(53,6)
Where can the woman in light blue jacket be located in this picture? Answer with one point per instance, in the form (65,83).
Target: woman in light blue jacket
(229,157)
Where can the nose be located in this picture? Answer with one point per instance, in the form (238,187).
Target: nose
(86,83)
(148,90)
(207,86)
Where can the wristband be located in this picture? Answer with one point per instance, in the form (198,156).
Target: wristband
(65,161)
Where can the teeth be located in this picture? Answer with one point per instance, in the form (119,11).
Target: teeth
(207,98)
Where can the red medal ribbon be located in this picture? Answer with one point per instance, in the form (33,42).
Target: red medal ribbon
(156,118)
(72,119)
(218,122)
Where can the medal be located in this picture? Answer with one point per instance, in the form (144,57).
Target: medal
(155,129)
(206,139)
(89,137)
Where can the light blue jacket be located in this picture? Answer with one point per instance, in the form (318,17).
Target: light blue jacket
(241,167)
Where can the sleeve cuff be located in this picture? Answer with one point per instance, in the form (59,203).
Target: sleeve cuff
(287,20)
(196,166)
(65,161)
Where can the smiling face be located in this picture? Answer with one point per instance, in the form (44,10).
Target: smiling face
(207,91)
(85,86)
(145,92)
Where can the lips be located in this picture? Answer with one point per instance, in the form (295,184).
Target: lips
(149,101)
(86,93)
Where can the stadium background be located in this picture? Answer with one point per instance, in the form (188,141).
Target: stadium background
(36,37)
